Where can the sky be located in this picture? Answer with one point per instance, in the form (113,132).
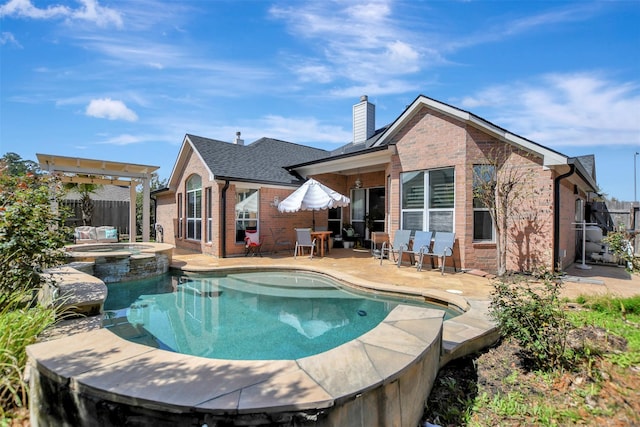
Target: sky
(125,80)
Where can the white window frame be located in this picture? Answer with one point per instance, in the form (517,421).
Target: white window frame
(194,208)
(476,175)
(246,219)
(425,210)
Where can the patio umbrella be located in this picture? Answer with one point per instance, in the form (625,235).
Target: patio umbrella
(313,196)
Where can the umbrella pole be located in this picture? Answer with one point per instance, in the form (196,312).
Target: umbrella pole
(313,220)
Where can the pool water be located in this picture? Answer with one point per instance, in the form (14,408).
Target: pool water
(244,316)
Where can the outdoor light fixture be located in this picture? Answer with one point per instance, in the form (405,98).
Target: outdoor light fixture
(275,202)
(358,182)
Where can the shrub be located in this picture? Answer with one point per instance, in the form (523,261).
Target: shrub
(620,245)
(18,329)
(528,309)
(32,234)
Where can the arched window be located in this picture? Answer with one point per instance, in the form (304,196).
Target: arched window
(194,208)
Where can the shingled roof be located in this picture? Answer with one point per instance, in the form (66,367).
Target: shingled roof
(262,161)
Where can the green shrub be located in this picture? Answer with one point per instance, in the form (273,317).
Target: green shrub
(528,309)
(18,329)
(620,245)
(32,234)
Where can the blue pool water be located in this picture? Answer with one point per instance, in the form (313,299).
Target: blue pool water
(244,316)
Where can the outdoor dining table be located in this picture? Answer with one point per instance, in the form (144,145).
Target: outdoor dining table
(322,237)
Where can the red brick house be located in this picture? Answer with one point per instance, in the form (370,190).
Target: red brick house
(416,173)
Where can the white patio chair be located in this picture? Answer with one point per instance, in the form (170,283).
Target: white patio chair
(400,240)
(442,248)
(303,240)
(421,244)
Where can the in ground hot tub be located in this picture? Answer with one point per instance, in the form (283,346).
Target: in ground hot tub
(120,262)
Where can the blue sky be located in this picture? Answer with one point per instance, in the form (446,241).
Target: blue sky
(126,80)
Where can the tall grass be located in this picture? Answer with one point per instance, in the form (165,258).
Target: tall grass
(19,327)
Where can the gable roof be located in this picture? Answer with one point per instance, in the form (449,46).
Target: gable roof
(382,139)
(262,161)
(550,157)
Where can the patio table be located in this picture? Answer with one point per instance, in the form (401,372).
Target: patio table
(323,237)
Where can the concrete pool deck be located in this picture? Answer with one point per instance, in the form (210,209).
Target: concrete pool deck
(395,363)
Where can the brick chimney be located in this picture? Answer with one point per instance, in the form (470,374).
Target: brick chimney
(238,140)
(364,120)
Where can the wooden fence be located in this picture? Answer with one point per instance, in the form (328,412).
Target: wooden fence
(105,212)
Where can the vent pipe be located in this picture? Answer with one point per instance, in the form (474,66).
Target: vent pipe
(238,140)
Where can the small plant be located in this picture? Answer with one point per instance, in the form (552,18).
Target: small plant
(529,310)
(620,245)
(18,329)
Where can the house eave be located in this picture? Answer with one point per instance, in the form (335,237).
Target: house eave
(373,159)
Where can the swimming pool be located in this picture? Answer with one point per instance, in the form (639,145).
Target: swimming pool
(246,316)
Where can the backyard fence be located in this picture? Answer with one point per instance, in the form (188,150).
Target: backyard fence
(105,212)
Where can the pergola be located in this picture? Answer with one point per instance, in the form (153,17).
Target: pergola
(90,171)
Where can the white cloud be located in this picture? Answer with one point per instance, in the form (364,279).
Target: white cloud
(302,129)
(107,108)
(8,38)
(582,109)
(359,41)
(25,9)
(89,11)
(124,139)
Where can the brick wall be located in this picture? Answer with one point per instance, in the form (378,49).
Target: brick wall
(431,140)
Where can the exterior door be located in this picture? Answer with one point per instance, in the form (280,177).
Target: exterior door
(367,210)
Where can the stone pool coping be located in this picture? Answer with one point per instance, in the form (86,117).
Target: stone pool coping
(143,250)
(103,365)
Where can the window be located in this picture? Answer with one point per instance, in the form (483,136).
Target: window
(483,183)
(579,214)
(428,200)
(246,211)
(209,215)
(180,216)
(194,208)
(335,221)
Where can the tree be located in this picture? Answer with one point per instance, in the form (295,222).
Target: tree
(501,184)
(12,164)
(85,191)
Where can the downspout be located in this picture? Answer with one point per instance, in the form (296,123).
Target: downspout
(223,237)
(556,214)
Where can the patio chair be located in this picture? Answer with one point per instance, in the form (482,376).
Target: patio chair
(252,242)
(442,247)
(279,240)
(400,240)
(378,238)
(421,244)
(303,240)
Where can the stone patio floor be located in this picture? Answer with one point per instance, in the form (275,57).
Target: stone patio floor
(361,267)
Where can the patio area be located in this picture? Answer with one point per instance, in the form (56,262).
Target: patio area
(359,267)
(347,382)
